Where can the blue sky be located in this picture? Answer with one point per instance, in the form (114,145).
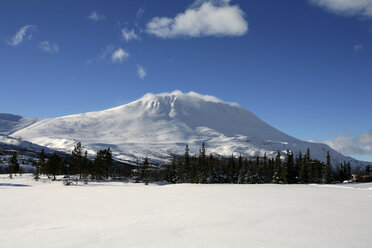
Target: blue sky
(303,66)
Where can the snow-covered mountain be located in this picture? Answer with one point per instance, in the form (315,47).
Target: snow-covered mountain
(160,125)
(11,123)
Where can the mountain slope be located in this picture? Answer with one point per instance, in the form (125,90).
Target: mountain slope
(162,124)
(11,123)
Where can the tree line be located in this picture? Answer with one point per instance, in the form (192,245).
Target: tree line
(284,168)
(210,168)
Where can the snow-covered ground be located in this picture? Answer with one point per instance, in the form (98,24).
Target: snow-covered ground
(48,214)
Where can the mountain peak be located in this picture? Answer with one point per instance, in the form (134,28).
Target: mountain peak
(177,94)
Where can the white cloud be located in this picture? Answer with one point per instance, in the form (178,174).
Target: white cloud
(119,55)
(110,54)
(94,16)
(48,47)
(348,145)
(141,71)
(129,35)
(358,47)
(24,33)
(202,18)
(347,7)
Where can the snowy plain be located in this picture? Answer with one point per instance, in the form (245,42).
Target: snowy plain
(116,214)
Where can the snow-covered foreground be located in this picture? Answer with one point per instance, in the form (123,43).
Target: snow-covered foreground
(48,214)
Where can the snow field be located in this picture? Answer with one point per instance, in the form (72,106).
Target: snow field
(48,214)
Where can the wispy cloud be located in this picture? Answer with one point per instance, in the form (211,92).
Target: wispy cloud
(110,54)
(348,145)
(119,55)
(141,71)
(48,47)
(129,35)
(24,33)
(202,18)
(140,13)
(347,7)
(94,16)
(358,47)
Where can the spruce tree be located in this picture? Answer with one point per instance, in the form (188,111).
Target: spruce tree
(187,169)
(180,172)
(327,178)
(291,177)
(41,162)
(86,170)
(202,164)
(304,171)
(277,169)
(54,165)
(77,160)
(103,164)
(13,164)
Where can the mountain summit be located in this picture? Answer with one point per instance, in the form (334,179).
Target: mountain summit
(158,125)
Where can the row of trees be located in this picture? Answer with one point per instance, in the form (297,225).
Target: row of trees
(201,168)
(215,169)
(78,164)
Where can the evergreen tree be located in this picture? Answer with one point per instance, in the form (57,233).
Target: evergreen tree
(145,166)
(291,176)
(328,170)
(304,173)
(368,170)
(85,167)
(241,169)
(54,165)
(277,169)
(180,172)
(77,160)
(308,155)
(187,168)
(41,162)
(13,164)
(102,164)
(231,169)
(202,164)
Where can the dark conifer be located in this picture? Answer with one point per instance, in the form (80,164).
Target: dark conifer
(277,169)
(76,165)
(54,165)
(13,164)
(328,170)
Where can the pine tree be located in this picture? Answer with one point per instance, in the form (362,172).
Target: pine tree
(13,164)
(54,165)
(41,162)
(368,170)
(304,171)
(103,164)
(202,164)
(145,165)
(327,178)
(77,160)
(308,155)
(231,169)
(85,167)
(241,169)
(180,172)
(187,169)
(277,169)
(291,177)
